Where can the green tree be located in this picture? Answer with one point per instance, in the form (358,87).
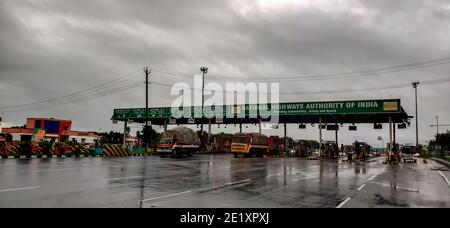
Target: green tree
(111,138)
(149,135)
(442,141)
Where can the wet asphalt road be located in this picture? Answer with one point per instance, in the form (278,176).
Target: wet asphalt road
(219,181)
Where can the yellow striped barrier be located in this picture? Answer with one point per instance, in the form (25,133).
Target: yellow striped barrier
(13,149)
(110,150)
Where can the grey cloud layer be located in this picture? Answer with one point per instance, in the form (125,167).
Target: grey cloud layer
(51,48)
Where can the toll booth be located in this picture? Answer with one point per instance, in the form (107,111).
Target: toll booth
(329,115)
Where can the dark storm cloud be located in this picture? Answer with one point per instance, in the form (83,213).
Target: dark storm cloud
(50,48)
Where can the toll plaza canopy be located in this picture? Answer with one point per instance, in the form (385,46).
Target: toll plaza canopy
(340,112)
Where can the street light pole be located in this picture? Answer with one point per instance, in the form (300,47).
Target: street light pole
(415,84)
(204,71)
(437,125)
(146,131)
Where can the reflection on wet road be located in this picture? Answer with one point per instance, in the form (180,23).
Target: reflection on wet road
(219,181)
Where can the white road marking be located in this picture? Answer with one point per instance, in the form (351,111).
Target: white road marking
(445,178)
(50,170)
(121,178)
(373,177)
(343,203)
(237,182)
(362,186)
(18,189)
(160,197)
(123,166)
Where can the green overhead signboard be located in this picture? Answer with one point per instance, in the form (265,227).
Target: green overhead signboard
(282,109)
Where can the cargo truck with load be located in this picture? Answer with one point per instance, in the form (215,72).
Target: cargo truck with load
(249,144)
(178,142)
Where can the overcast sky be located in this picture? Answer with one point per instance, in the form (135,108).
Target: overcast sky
(52,48)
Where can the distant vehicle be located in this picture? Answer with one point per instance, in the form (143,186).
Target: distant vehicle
(221,143)
(316,152)
(409,153)
(249,144)
(276,145)
(178,142)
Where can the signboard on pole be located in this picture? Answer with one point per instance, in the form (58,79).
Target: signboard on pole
(219,120)
(40,134)
(281,109)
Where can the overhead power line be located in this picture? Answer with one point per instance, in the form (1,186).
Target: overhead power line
(314,77)
(397,86)
(112,86)
(127,81)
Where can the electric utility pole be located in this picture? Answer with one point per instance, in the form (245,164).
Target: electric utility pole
(204,71)
(146,132)
(415,84)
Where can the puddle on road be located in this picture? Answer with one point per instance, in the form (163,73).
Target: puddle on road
(380,200)
(440,169)
(395,186)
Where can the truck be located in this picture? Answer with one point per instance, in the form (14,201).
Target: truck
(276,145)
(409,152)
(178,142)
(249,144)
(221,143)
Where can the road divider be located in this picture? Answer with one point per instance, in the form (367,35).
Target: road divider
(111,150)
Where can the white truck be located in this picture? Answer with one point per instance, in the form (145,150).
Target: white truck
(409,153)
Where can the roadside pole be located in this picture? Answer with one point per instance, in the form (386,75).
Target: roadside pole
(285,139)
(390,139)
(320,136)
(260,128)
(165,126)
(337,142)
(125,125)
(147,132)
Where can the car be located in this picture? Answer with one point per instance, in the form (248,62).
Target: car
(316,152)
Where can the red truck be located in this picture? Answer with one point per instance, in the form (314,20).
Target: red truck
(276,145)
(249,144)
(178,141)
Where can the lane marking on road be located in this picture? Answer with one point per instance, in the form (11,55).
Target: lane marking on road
(160,197)
(343,203)
(50,170)
(19,189)
(362,186)
(121,178)
(373,177)
(9,164)
(123,166)
(237,182)
(445,178)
